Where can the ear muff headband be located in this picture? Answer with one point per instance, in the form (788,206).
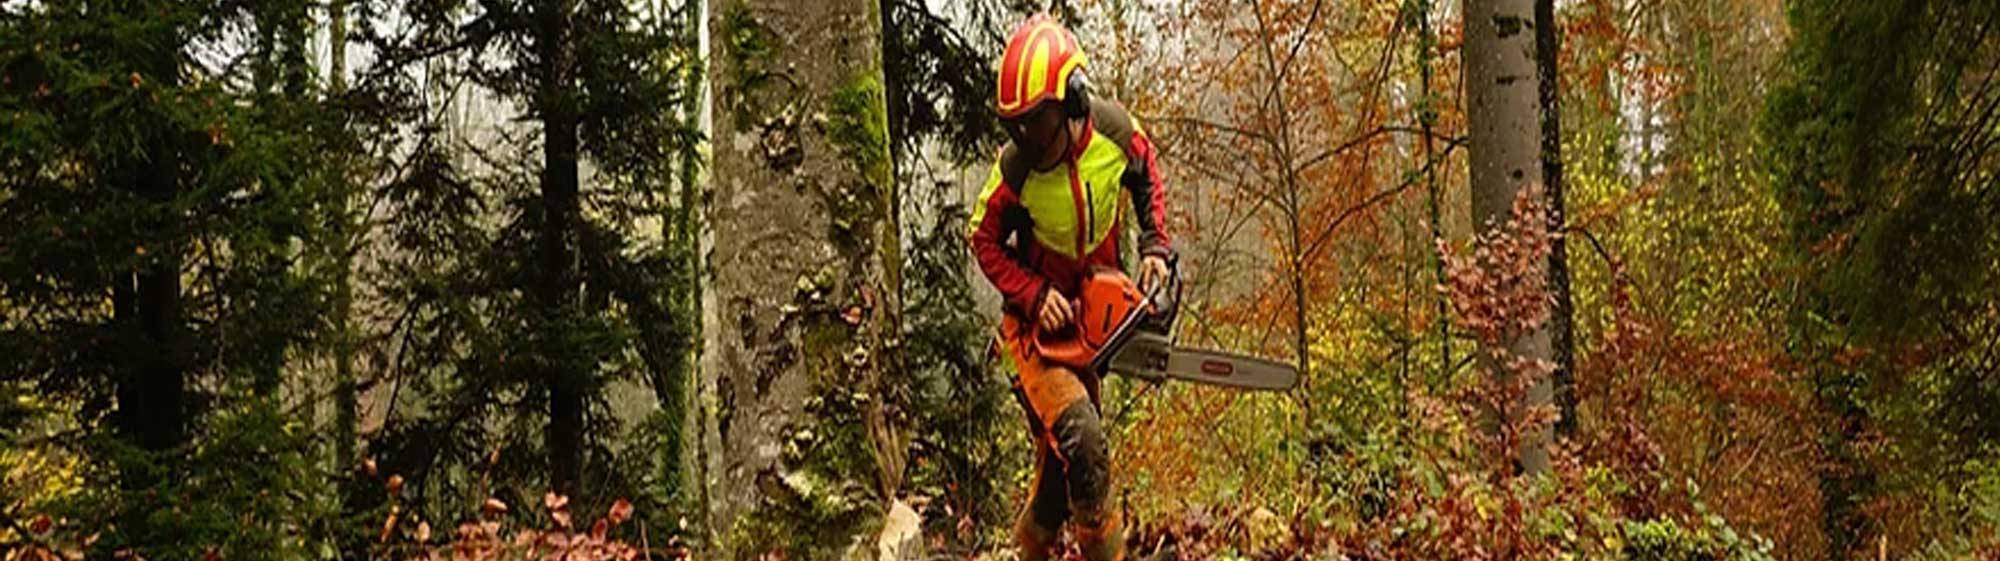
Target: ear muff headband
(1076,97)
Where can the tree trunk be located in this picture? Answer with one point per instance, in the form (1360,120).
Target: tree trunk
(1501,87)
(152,409)
(670,340)
(151,390)
(1561,321)
(687,236)
(1427,116)
(282,73)
(893,60)
(295,64)
(555,288)
(336,44)
(151,403)
(681,229)
(800,315)
(346,401)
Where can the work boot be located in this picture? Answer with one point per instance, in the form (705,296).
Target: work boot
(1087,473)
(1048,506)
(1098,535)
(1034,542)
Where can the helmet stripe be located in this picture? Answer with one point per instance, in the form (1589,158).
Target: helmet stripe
(1040,45)
(1010,70)
(1066,44)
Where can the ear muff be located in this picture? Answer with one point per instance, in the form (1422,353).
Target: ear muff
(1076,97)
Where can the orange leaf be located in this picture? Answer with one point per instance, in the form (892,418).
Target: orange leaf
(493,506)
(621,510)
(389,524)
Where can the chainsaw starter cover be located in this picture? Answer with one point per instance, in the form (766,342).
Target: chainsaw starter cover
(1107,298)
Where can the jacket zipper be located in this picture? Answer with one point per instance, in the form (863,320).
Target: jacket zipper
(1083,210)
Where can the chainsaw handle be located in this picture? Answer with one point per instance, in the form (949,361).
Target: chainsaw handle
(1164,311)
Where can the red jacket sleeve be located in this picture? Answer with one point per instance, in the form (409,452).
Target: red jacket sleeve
(1021,287)
(1149,195)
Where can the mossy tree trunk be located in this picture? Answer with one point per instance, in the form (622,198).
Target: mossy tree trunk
(679,341)
(345,398)
(800,358)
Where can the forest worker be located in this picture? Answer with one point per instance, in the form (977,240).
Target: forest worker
(1049,213)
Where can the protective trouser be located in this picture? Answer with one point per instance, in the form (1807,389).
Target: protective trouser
(1072,459)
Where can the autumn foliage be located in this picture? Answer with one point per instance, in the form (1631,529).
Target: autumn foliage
(550,532)
(236,272)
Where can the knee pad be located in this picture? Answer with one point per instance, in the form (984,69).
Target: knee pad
(1086,457)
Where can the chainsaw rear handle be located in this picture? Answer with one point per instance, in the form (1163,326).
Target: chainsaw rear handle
(1162,313)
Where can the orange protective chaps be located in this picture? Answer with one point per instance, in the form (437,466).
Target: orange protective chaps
(1072,459)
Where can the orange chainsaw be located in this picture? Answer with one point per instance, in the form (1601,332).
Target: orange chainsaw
(1119,329)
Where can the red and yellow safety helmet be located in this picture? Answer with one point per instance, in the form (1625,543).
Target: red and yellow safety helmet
(1041,56)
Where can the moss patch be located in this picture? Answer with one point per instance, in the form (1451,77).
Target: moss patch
(858,125)
(750,46)
(821,497)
